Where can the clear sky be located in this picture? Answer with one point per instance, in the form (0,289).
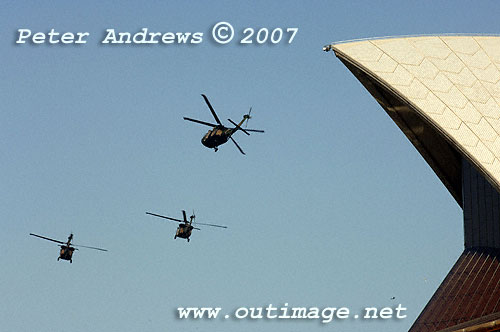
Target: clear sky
(331,207)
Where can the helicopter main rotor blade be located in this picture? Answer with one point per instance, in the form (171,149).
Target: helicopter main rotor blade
(79,245)
(160,216)
(184,216)
(213,225)
(211,109)
(201,122)
(255,130)
(197,228)
(232,139)
(46,238)
(238,127)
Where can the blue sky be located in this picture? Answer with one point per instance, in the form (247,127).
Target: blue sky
(332,206)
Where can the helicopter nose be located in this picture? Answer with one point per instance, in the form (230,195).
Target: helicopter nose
(204,141)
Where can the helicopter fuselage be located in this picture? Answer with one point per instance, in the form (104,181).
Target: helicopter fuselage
(66,253)
(217,136)
(183,231)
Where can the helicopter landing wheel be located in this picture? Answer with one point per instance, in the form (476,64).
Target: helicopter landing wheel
(216,149)
(188,240)
(70,261)
(175,237)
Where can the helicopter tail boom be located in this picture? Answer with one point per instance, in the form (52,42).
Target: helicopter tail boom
(238,126)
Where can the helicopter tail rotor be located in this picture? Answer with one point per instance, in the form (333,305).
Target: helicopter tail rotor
(247,117)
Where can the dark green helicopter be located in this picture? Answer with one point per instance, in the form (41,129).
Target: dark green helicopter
(185,227)
(221,134)
(66,252)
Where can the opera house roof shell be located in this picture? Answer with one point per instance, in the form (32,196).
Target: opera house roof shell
(443,92)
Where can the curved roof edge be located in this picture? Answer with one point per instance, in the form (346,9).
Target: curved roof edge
(455,34)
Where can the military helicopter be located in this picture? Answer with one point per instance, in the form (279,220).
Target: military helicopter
(221,134)
(67,249)
(185,227)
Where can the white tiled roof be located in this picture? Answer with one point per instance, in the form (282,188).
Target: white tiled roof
(453,81)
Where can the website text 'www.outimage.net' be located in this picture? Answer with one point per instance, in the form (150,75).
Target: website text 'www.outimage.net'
(270,312)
